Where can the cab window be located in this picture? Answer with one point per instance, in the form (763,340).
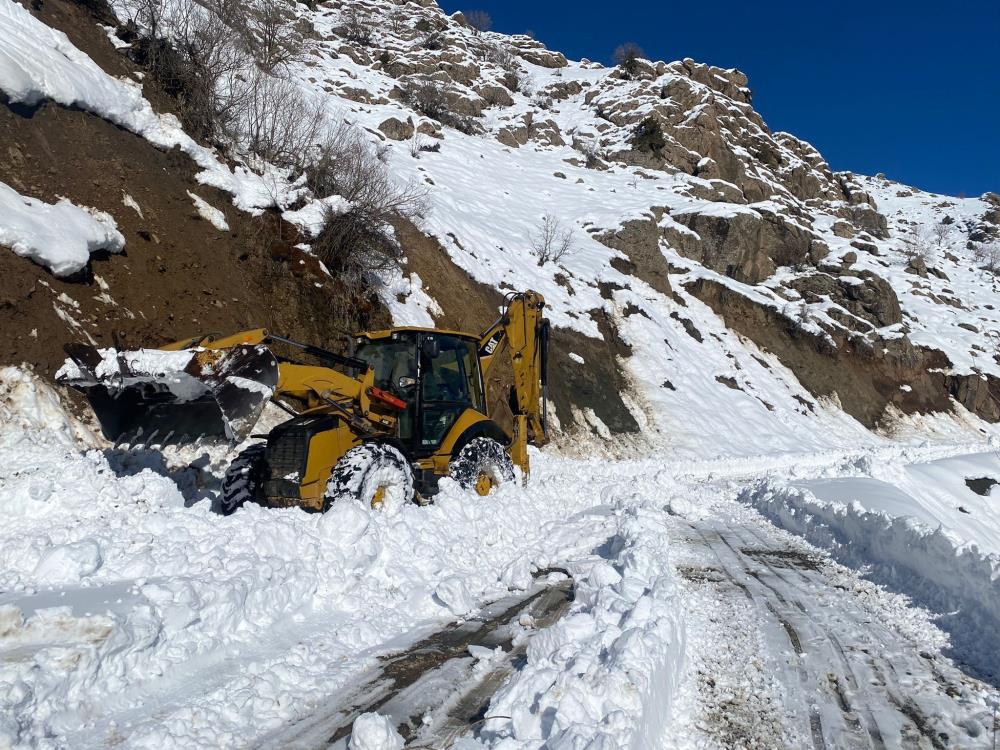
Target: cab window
(452,376)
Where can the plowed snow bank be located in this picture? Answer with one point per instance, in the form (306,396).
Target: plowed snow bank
(930,563)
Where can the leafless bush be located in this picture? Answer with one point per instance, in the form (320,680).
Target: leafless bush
(268,29)
(479,20)
(359,242)
(987,255)
(196,65)
(550,241)
(397,20)
(500,55)
(277,122)
(144,17)
(940,233)
(590,150)
(429,98)
(627,57)
(525,82)
(542,101)
(432,41)
(358,27)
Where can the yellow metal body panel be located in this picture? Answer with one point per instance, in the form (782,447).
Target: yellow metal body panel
(325,450)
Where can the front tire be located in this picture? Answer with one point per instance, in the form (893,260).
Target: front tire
(482,465)
(244,479)
(374,474)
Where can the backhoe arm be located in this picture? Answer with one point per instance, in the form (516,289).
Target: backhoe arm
(522,329)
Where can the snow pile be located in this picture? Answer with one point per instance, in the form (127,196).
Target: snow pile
(118,582)
(59,236)
(930,563)
(374,732)
(607,673)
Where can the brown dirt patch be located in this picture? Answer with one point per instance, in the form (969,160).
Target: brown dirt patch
(178,275)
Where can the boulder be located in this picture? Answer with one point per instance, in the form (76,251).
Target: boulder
(396,129)
(639,239)
(745,245)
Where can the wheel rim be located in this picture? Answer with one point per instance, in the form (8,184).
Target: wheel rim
(378,499)
(484,484)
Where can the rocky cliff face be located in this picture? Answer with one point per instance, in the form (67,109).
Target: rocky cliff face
(684,215)
(754,223)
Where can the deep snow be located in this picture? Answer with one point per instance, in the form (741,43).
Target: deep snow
(122,590)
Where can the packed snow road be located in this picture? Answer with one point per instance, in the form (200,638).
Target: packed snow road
(827,665)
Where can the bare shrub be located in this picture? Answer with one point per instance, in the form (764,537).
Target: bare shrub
(551,241)
(144,17)
(542,101)
(500,55)
(397,20)
(648,136)
(359,242)
(432,41)
(525,82)
(358,27)
(479,20)
(940,233)
(196,66)
(429,98)
(269,32)
(987,256)
(277,122)
(627,58)
(590,150)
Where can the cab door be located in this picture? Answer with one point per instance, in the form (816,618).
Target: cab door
(450,383)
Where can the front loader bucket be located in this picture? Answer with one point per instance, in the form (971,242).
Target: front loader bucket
(155,397)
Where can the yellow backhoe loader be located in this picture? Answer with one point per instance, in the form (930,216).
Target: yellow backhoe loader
(409,408)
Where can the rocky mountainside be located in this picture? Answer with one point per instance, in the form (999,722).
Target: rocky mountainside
(694,261)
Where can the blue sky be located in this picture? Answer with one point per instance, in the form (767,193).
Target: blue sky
(909,89)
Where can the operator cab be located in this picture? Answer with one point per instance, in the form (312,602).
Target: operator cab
(437,374)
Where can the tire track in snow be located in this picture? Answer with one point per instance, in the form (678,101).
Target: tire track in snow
(432,690)
(844,687)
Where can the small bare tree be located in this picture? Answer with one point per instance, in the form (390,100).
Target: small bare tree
(358,27)
(268,29)
(277,122)
(551,241)
(479,20)
(991,257)
(627,58)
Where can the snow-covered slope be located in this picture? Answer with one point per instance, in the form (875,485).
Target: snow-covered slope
(664,170)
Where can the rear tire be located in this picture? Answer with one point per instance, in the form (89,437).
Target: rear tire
(243,479)
(482,465)
(374,474)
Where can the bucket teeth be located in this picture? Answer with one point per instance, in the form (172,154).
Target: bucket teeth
(151,397)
